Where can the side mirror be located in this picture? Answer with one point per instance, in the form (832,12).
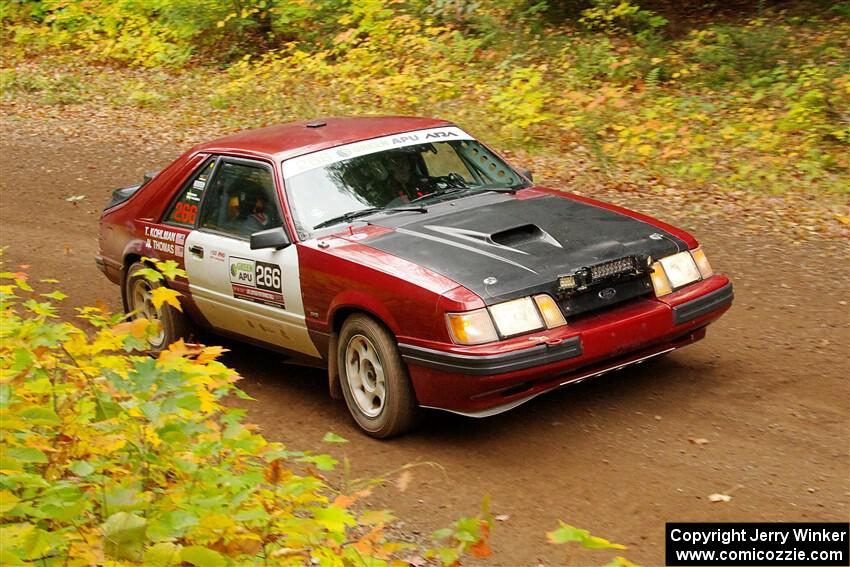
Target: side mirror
(272,238)
(527,174)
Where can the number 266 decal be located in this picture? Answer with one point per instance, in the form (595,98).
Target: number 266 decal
(267,276)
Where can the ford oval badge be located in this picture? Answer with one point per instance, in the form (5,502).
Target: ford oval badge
(607,293)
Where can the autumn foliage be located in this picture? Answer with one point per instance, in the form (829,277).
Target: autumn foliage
(611,91)
(113,457)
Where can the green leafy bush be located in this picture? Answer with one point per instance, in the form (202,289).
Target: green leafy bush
(110,456)
(621,15)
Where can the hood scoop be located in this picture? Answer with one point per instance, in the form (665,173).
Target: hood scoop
(522,235)
(513,239)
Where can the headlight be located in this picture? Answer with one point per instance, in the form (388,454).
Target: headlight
(511,318)
(680,269)
(472,328)
(516,317)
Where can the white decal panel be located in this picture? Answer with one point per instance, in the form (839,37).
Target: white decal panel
(255,293)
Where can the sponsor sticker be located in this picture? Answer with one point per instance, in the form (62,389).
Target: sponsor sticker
(242,271)
(256,281)
(164,240)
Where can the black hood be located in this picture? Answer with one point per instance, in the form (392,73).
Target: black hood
(524,245)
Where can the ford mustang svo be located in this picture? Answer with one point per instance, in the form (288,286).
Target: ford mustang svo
(410,260)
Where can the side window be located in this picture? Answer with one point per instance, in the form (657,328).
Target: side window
(185,209)
(240,200)
(445,161)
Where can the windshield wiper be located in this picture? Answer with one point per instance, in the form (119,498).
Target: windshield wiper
(351,215)
(479,189)
(500,189)
(440,192)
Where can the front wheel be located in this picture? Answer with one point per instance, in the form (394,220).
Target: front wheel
(374,379)
(173,325)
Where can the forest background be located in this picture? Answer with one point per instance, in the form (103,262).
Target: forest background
(737,108)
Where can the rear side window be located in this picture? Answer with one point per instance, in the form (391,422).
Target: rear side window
(184,211)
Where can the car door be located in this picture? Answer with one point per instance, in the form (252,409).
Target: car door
(255,293)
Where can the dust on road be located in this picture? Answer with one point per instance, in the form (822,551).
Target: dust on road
(768,388)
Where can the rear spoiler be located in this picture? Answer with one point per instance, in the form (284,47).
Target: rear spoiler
(124,193)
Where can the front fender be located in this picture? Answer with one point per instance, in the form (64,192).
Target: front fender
(342,276)
(353,300)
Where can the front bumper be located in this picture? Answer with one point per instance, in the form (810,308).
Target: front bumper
(488,379)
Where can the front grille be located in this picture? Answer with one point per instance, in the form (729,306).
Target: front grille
(593,299)
(612,269)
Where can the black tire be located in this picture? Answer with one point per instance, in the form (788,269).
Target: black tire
(175,325)
(398,412)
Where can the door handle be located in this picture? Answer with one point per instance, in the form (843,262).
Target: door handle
(197,251)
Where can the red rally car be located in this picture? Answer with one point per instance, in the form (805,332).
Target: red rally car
(409,259)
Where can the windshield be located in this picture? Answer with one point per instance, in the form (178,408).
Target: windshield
(327,185)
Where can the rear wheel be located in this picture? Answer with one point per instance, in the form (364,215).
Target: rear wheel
(374,379)
(173,325)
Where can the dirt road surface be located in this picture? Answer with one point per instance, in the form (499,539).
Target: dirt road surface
(768,387)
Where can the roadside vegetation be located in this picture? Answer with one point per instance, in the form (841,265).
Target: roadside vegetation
(113,457)
(676,99)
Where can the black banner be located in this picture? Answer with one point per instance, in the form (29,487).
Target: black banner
(760,544)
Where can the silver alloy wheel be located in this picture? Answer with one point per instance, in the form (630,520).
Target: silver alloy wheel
(140,301)
(365,375)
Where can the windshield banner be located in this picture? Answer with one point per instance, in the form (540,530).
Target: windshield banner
(294,166)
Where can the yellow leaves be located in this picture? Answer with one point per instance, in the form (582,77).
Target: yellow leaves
(7,501)
(161,295)
(209,354)
(106,444)
(566,533)
(371,542)
(333,518)
(106,341)
(276,472)
(207,398)
(217,523)
(151,436)
(137,327)
(346,500)
(177,352)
